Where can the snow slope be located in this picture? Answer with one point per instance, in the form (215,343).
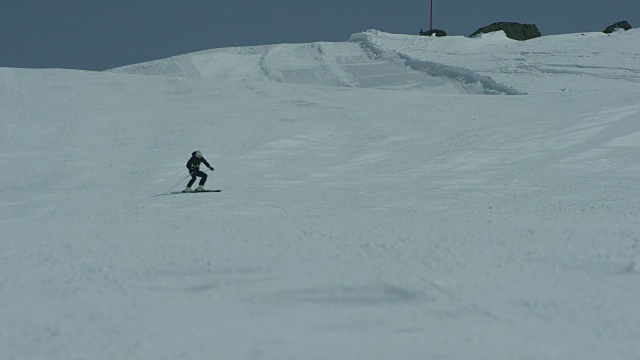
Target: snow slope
(388,197)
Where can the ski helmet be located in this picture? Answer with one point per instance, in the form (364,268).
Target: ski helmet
(197,154)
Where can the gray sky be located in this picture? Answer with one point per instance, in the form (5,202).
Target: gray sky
(102,34)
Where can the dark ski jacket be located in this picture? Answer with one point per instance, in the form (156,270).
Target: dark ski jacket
(194,163)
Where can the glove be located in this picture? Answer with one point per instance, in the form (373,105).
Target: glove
(210,168)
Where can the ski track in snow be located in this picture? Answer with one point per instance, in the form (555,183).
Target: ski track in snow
(375,203)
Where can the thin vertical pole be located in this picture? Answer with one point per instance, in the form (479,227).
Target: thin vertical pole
(431,17)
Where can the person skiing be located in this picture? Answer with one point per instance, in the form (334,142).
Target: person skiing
(194,169)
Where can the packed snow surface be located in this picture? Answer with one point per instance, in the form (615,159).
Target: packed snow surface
(386,197)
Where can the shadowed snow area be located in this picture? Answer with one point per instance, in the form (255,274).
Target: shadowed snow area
(370,207)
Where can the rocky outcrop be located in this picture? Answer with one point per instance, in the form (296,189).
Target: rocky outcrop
(438,33)
(621,25)
(515,31)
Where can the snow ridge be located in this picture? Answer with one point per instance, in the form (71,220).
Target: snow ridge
(469,80)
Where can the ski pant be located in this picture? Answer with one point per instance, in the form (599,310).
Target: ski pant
(195,174)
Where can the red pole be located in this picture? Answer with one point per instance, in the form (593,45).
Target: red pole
(431,17)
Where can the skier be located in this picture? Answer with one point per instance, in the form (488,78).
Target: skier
(194,169)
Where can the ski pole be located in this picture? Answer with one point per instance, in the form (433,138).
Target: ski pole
(181,180)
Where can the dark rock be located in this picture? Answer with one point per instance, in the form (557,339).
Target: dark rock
(619,25)
(515,31)
(438,33)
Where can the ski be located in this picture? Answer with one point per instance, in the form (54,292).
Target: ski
(193,192)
